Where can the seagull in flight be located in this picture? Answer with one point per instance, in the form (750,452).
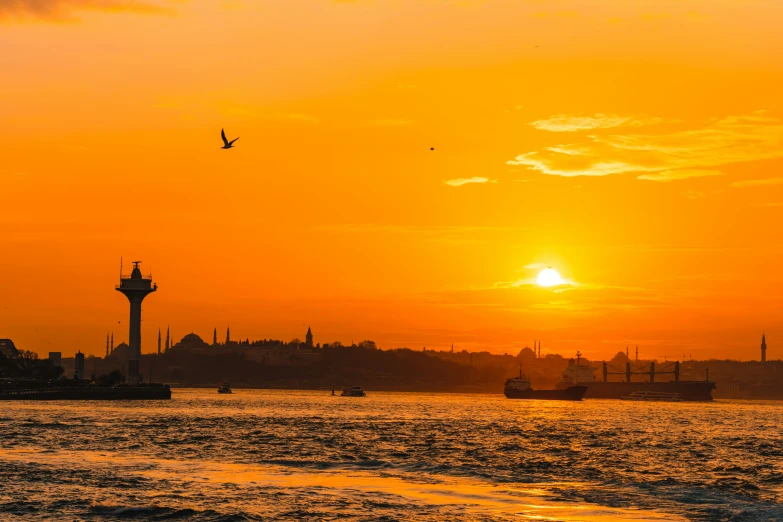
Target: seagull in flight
(227,144)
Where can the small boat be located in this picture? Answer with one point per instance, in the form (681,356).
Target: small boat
(353,391)
(653,396)
(224,388)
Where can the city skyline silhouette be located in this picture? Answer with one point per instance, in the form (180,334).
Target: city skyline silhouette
(651,188)
(472,260)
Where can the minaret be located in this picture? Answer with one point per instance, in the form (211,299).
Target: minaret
(107,345)
(309,337)
(135,288)
(168,338)
(763,348)
(158,341)
(637,353)
(228,335)
(214,337)
(626,352)
(452,347)
(112,343)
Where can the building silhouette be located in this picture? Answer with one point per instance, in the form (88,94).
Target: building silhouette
(56,358)
(121,352)
(763,348)
(78,371)
(8,348)
(158,341)
(135,288)
(309,337)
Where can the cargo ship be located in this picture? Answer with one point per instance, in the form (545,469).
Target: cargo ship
(578,374)
(520,388)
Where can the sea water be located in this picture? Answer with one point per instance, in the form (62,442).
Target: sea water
(306,455)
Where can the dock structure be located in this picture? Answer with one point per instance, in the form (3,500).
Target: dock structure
(135,287)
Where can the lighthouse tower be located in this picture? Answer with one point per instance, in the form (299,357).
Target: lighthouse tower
(136,288)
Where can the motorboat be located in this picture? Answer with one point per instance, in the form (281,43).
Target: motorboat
(353,391)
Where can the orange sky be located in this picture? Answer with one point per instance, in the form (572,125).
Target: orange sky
(636,147)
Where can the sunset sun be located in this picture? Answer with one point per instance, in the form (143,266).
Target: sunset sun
(549,277)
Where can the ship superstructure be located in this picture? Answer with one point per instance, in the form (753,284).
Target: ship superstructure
(519,387)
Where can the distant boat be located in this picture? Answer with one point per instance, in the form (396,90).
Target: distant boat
(224,388)
(653,396)
(353,391)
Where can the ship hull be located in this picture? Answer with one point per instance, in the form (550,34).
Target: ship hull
(129,393)
(690,390)
(572,393)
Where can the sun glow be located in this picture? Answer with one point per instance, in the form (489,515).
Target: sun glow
(549,277)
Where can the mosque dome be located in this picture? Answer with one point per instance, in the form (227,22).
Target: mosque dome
(191,342)
(192,338)
(121,351)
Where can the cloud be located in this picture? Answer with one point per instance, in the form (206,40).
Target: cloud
(298,116)
(532,283)
(448,234)
(9,174)
(565,123)
(672,175)
(59,10)
(730,140)
(458,182)
(390,122)
(757,182)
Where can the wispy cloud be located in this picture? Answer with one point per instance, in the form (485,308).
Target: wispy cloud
(9,174)
(298,116)
(757,182)
(565,123)
(672,175)
(448,234)
(390,122)
(64,10)
(680,154)
(532,283)
(458,182)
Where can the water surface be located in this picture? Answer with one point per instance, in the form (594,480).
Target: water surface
(293,455)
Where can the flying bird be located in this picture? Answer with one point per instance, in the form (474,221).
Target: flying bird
(227,144)
(432,148)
